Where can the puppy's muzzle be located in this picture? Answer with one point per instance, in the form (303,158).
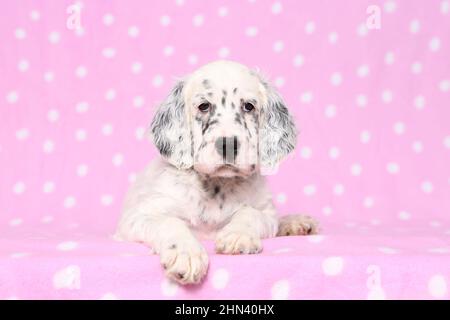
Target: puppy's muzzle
(228,148)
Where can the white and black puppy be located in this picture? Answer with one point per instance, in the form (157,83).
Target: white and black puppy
(219,129)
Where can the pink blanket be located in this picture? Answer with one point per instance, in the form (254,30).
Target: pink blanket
(372,164)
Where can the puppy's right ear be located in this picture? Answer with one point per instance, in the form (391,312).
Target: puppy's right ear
(170,129)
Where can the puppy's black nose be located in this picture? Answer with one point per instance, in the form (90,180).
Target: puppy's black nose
(228,148)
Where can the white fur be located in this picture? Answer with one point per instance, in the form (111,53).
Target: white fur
(190,193)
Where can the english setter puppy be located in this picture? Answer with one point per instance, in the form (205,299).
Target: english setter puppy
(220,130)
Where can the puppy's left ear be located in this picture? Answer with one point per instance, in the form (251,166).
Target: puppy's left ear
(278,134)
(170,129)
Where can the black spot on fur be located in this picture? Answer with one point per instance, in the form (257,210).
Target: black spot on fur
(216,190)
(234,90)
(237,118)
(223,100)
(206,83)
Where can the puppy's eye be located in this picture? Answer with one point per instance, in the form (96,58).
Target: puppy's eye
(204,107)
(247,107)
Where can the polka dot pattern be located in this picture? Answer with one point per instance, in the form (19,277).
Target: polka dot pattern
(371,163)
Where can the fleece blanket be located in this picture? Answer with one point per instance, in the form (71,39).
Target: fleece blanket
(368,83)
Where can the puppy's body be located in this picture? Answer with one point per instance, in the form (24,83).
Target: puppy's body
(217,130)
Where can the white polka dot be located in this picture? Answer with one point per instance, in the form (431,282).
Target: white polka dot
(164,20)
(69,202)
(333,266)
(179,2)
(48,187)
(392,168)
(309,190)
(107,129)
(306,97)
(281,198)
(427,187)
(49,76)
(375,222)
(399,128)
(336,79)
(192,59)
(53,115)
(327,210)
(417,146)
(419,102)
(198,20)
(109,53)
(333,37)
(434,44)
(445,7)
(444,85)
(330,111)
(117,159)
(356,169)
(298,60)
(279,82)
(110,94)
(220,279)
(389,58)
(140,133)
(22,134)
(277,8)
(67,246)
(447,142)
(306,152)
(82,170)
(368,202)
(106,200)
(363,71)
(12,97)
(390,6)
(310,27)
(416,68)
(362,30)
(15,222)
(35,15)
(361,100)
(168,51)
(414,26)
(338,189)
(440,250)
(108,19)
(404,215)
(68,278)
(386,96)
(278,46)
(251,31)
(82,107)
(132,177)
(334,153)
(224,52)
(223,11)
(54,37)
(136,67)
(80,134)
(23,65)
(48,146)
(158,81)
(280,290)
(168,288)
(18,255)
(133,31)
(387,250)
(81,72)
(437,286)
(138,101)
(20,33)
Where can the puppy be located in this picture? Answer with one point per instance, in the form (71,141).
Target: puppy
(219,130)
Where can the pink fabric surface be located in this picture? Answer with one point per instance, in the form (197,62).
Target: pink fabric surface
(372,164)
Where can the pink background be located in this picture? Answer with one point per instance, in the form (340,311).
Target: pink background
(372,163)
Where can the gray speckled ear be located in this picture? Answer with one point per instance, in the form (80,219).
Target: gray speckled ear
(170,130)
(278,134)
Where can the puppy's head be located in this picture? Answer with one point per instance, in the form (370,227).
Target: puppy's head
(223,120)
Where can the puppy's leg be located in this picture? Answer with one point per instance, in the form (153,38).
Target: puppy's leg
(243,234)
(297,225)
(182,256)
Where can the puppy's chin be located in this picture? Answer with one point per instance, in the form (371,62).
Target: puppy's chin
(226,170)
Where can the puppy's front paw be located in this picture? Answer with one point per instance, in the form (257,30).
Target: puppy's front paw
(233,242)
(297,225)
(186,263)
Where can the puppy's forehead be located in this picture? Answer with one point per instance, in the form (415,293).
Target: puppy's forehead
(223,75)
